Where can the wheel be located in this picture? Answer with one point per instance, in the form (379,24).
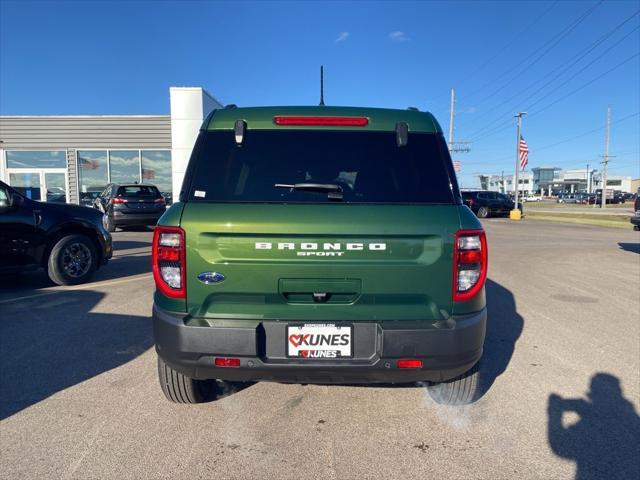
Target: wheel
(72,260)
(461,390)
(483,212)
(636,228)
(179,388)
(107,223)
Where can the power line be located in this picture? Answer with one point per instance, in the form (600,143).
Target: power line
(546,49)
(513,40)
(536,112)
(563,69)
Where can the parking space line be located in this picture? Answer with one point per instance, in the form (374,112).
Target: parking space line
(78,287)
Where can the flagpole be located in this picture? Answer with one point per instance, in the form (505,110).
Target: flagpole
(515,213)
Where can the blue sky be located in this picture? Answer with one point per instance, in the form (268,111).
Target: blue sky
(563,62)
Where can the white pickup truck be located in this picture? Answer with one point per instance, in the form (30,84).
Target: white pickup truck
(531,198)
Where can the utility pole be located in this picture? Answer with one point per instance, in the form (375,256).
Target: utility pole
(503,190)
(519,116)
(458,147)
(451,110)
(588,182)
(606,158)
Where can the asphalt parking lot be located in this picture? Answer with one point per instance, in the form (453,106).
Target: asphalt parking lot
(79,396)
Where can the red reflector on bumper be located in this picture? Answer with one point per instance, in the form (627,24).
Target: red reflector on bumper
(227,362)
(409,363)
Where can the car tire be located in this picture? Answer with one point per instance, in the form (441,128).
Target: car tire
(72,260)
(107,223)
(461,390)
(179,388)
(483,212)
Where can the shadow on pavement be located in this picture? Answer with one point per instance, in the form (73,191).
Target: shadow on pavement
(504,327)
(629,247)
(129,244)
(51,343)
(604,440)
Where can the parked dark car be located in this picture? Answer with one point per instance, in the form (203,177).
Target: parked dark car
(128,205)
(488,204)
(87,198)
(635,220)
(68,241)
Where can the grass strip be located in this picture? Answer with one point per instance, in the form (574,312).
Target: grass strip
(610,221)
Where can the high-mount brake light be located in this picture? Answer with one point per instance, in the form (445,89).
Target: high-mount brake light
(321,121)
(169,261)
(469,264)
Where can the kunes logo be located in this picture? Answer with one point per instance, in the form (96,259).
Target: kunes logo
(317,340)
(327,249)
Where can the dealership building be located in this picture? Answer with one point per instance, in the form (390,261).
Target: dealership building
(70,158)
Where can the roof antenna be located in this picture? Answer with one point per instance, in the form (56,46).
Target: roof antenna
(321,85)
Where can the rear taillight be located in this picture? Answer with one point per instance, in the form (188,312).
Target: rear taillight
(159,201)
(321,121)
(169,261)
(119,200)
(469,264)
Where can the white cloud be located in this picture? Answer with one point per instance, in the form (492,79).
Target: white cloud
(398,36)
(342,37)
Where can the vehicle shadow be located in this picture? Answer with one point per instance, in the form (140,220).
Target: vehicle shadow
(604,440)
(629,247)
(130,244)
(504,327)
(50,343)
(120,266)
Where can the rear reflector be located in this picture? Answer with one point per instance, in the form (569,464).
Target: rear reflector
(409,363)
(322,121)
(227,362)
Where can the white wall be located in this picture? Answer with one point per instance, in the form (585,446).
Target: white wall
(189,107)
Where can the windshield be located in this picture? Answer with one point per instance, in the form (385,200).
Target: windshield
(368,167)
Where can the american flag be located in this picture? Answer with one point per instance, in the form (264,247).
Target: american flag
(457,166)
(523,152)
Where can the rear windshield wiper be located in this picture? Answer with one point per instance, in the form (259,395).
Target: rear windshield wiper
(334,192)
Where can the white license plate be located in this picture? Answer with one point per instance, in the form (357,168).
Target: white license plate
(321,340)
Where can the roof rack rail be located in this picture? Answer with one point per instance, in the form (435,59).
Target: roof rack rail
(231,105)
(413,109)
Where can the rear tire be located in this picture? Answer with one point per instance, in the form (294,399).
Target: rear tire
(483,212)
(179,388)
(461,390)
(72,260)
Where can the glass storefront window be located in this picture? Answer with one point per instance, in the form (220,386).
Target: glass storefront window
(92,171)
(36,159)
(156,169)
(124,166)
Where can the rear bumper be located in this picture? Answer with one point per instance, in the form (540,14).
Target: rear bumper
(121,218)
(447,349)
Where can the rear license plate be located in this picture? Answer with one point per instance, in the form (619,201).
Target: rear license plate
(320,340)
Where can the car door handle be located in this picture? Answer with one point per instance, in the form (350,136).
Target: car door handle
(37,217)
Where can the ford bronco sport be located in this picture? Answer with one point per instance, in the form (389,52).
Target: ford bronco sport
(319,245)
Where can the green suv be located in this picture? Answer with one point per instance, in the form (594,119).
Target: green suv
(319,245)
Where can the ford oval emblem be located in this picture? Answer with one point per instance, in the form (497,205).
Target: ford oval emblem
(211,277)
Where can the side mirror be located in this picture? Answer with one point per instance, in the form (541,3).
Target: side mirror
(16,200)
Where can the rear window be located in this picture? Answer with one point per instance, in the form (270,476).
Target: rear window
(138,191)
(368,166)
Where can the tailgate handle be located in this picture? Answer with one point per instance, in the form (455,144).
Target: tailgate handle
(320,297)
